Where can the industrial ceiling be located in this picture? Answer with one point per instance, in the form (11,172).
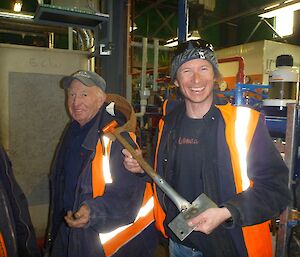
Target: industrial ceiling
(224,23)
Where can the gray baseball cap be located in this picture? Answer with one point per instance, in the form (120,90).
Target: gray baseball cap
(88,78)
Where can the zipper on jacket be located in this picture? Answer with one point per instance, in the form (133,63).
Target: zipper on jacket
(18,206)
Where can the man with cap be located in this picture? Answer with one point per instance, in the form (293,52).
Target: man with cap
(207,146)
(95,202)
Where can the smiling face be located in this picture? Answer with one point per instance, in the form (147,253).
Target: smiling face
(84,102)
(195,79)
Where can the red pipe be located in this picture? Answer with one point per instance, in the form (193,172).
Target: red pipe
(240,76)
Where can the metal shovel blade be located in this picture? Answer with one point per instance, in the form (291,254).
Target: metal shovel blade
(179,224)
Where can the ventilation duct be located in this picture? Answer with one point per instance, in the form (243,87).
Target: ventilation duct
(84,39)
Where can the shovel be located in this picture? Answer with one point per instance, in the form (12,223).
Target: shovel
(187,210)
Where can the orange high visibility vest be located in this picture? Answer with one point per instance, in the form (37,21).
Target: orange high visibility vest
(3,252)
(112,241)
(159,213)
(244,120)
(240,126)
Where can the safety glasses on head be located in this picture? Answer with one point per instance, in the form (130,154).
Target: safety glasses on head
(193,44)
(194,49)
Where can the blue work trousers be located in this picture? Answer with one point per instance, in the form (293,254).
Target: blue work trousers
(179,250)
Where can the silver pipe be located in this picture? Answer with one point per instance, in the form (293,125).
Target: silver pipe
(155,65)
(70,38)
(144,63)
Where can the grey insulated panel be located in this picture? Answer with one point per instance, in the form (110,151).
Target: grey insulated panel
(37,117)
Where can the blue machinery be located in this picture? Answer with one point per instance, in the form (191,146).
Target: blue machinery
(246,94)
(240,91)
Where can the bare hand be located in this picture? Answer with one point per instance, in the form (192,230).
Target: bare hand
(78,219)
(210,219)
(130,163)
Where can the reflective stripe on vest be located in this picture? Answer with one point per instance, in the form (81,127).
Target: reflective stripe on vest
(106,169)
(100,167)
(114,240)
(3,252)
(240,126)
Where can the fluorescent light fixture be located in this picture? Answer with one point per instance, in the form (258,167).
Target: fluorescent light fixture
(284,24)
(283,16)
(18,6)
(16,15)
(191,36)
(276,10)
(271,7)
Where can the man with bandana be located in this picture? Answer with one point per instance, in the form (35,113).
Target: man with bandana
(208,146)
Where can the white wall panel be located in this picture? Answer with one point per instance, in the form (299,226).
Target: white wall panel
(33,116)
